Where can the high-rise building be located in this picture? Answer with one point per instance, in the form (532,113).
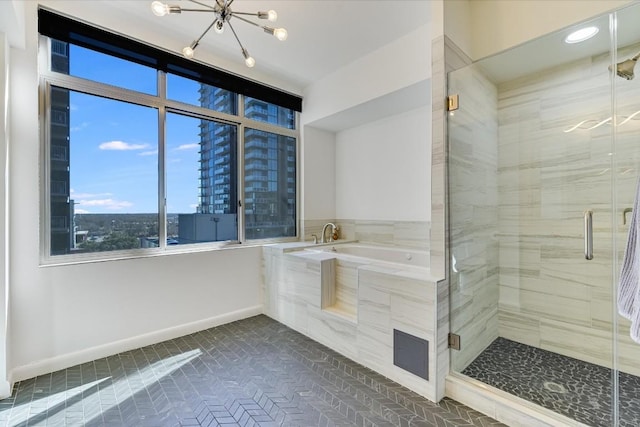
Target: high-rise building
(218,155)
(62,232)
(269,166)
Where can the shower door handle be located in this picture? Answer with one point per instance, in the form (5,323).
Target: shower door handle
(588,235)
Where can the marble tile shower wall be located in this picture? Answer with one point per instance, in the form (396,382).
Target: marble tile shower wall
(550,296)
(473,214)
(410,234)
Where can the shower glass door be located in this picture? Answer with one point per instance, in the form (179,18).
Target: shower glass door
(541,169)
(627,172)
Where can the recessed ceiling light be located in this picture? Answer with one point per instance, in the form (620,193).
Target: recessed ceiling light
(581,35)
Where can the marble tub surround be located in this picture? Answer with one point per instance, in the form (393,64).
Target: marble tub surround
(355,310)
(410,234)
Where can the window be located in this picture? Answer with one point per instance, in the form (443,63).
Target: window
(270,184)
(201,201)
(133,167)
(266,112)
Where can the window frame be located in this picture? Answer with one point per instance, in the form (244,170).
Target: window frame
(163,105)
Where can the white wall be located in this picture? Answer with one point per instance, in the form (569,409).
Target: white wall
(67,314)
(318,181)
(12,22)
(376,108)
(382,169)
(397,65)
(4,214)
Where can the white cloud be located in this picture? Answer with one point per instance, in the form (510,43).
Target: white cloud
(102,200)
(81,126)
(148,153)
(80,196)
(81,211)
(106,204)
(122,146)
(192,146)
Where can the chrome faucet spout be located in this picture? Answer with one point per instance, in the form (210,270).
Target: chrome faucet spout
(324,230)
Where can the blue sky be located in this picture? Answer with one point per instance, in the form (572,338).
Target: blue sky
(114,145)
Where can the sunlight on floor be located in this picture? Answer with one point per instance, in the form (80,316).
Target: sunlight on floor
(99,398)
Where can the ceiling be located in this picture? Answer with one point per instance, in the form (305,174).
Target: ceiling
(324,35)
(550,50)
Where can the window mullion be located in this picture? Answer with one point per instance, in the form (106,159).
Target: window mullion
(162,182)
(240,183)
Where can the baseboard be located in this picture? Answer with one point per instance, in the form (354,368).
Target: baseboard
(71,359)
(508,409)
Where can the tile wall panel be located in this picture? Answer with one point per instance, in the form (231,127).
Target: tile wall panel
(550,296)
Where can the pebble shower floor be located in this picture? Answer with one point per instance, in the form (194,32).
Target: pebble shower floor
(571,387)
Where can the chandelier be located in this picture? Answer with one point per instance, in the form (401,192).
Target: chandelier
(222,16)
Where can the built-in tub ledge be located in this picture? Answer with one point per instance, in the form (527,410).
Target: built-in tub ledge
(340,265)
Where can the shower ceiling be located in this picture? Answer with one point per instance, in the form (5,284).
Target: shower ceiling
(551,50)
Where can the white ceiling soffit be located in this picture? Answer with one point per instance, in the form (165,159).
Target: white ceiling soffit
(550,50)
(324,35)
(400,101)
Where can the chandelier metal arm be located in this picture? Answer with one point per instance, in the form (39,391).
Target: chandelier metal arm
(235,15)
(223,14)
(236,36)
(246,13)
(197,41)
(204,4)
(182,9)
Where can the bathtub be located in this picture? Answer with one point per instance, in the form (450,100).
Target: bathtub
(398,255)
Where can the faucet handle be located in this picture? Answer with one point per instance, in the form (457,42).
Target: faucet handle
(315,239)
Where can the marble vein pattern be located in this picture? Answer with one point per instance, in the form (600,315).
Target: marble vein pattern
(370,300)
(408,234)
(517,208)
(550,296)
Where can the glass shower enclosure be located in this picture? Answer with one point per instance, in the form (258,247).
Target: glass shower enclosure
(544,162)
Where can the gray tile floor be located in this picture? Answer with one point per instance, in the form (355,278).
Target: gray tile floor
(254,372)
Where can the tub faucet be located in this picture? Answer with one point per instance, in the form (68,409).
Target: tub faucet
(324,230)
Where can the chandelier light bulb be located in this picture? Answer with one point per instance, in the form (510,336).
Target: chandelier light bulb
(248,60)
(219,27)
(281,34)
(222,14)
(188,52)
(159,8)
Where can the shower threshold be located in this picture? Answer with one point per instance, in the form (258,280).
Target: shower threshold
(579,390)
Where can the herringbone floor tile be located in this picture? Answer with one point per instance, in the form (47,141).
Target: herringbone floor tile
(254,372)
